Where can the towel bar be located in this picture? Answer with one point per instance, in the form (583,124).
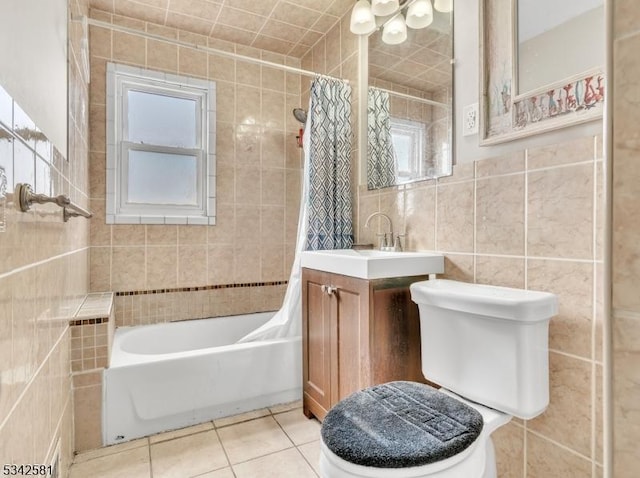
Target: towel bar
(25,197)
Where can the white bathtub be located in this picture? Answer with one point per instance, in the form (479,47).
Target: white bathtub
(167,376)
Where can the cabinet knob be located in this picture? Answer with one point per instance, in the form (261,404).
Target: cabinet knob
(329,290)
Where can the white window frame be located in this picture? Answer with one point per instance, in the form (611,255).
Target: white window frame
(417,131)
(119,210)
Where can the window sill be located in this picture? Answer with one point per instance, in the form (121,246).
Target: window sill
(159,220)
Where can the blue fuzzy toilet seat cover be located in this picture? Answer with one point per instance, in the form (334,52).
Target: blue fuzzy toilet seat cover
(398,425)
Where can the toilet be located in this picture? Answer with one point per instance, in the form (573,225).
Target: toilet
(487,347)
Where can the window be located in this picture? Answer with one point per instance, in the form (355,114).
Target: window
(409,143)
(160,148)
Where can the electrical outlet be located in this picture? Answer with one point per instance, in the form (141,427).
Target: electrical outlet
(470,120)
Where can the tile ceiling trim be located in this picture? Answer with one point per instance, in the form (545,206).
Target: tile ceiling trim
(200,47)
(322,13)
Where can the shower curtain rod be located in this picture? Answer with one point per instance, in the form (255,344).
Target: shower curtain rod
(414,98)
(236,56)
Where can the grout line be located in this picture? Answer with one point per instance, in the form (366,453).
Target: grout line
(57,433)
(110,258)
(283,430)
(560,445)
(259,32)
(435,217)
(594,417)
(525,448)
(500,175)
(452,181)
(199,432)
(150,461)
(475,222)
(561,166)
(214,23)
(573,356)
(108,450)
(34,376)
(625,314)
(526,223)
(509,256)
(627,36)
(166,13)
(305,459)
(594,312)
(42,262)
(557,259)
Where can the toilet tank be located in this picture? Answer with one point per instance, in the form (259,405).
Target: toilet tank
(488,344)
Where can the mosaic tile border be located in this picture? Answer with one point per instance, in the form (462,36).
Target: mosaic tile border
(200,288)
(94,321)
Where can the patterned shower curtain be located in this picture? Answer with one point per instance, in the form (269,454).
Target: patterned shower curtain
(329,130)
(381,168)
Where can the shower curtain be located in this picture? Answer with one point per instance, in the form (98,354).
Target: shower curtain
(325,218)
(330,215)
(381,167)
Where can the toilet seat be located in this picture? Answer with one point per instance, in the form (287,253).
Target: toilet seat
(470,463)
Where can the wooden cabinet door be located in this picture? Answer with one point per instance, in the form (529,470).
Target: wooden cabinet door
(316,344)
(351,337)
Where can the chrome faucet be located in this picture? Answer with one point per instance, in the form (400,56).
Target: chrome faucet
(386,243)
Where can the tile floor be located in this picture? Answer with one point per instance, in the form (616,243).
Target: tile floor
(276,442)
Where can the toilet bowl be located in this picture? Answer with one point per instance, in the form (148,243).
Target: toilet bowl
(488,348)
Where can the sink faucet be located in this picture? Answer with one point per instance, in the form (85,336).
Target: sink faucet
(385,244)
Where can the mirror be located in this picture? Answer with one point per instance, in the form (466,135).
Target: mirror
(410,122)
(542,66)
(556,40)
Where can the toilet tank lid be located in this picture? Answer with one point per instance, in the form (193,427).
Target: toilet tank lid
(493,301)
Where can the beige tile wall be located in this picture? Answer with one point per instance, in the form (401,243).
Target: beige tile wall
(258,177)
(89,347)
(87,410)
(530,220)
(92,332)
(143,309)
(43,278)
(626,240)
(335,54)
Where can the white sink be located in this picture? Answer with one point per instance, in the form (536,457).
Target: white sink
(373,264)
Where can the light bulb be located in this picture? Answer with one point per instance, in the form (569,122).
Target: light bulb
(382,8)
(444,6)
(420,14)
(395,31)
(362,20)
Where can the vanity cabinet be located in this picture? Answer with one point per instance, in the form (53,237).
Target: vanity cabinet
(355,333)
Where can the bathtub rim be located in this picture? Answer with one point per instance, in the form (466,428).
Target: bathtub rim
(121,358)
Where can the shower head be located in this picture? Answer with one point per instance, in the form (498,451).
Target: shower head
(300,115)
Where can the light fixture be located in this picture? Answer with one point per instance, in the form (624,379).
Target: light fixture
(420,14)
(444,6)
(382,8)
(363,21)
(367,17)
(395,30)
